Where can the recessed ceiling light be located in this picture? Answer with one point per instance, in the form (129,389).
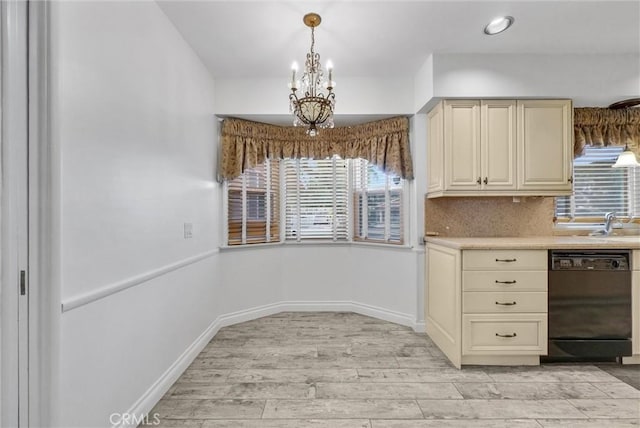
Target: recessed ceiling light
(498,25)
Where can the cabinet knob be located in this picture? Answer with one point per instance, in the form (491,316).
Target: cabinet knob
(479,180)
(506,303)
(570,179)
(486,180)
(506,335)
(506,260)
(506,282)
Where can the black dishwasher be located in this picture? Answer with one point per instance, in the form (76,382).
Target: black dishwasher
(589,304)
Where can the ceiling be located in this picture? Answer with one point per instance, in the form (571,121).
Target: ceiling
(240,39)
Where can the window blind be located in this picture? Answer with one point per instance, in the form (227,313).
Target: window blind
(634,191)
(316,199)
(598,188)
(378,203)
(253,205)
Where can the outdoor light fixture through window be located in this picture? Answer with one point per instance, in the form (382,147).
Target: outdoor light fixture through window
(627,159)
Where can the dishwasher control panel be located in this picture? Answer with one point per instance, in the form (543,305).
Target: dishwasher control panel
(585,260)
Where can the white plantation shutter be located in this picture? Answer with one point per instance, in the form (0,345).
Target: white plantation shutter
(253,205)
(316,199)
(377,203)
(634,191)
(328,199)
(598,188)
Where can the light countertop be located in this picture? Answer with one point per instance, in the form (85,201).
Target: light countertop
(538,242)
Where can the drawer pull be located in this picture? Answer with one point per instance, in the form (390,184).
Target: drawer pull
(506,303)
(506,282)
(506,335)
(506,260)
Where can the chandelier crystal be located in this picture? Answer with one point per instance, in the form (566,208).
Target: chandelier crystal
(315,108)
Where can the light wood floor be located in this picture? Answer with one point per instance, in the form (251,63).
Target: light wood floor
(339,370)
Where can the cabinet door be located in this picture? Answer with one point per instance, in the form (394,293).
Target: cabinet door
(461,144)
(498,144)
(435,149)
(545,145)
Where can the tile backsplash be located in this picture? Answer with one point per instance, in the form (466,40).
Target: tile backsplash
(489,216)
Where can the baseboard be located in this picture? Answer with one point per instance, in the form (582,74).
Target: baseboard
(501,360)
(420,327)
(151,397)
(384,314)
(156,391)
(319,306)
(635,359)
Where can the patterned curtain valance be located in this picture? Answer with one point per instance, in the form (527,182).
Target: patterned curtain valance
(603,127)
(384,143)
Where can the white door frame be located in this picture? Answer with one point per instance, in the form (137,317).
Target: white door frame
(44,284)
(29,357)
(15,125)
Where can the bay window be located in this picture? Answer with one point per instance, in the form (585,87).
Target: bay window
(331,199)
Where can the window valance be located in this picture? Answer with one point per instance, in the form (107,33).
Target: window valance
(602,127)
(246,144)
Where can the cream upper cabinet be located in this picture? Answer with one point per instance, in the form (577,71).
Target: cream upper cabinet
(435,149)
(498,144)
(545,145)
(462,145)
(500,148)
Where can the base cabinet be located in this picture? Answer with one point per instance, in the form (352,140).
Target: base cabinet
(635,315)
(501,334)
(485,306)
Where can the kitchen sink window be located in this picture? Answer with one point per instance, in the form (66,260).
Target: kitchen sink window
(333,199)
(598,188)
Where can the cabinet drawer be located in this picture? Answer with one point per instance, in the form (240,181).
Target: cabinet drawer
(504,301)
(504,280)
(504,334)
(504,260)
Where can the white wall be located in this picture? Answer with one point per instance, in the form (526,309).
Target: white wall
(374,280)
(590,80)
(132,115)
(423,84)
(354,96)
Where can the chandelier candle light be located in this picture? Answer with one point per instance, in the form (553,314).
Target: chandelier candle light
(315,108)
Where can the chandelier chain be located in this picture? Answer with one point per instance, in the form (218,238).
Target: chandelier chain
(313,40)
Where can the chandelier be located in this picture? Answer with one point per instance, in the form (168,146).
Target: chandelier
(315,108)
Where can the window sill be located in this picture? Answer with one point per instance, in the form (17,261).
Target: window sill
(225,248)
(318,243)
(584,228)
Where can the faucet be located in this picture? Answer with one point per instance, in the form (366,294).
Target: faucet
(608,225)
(608,222)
